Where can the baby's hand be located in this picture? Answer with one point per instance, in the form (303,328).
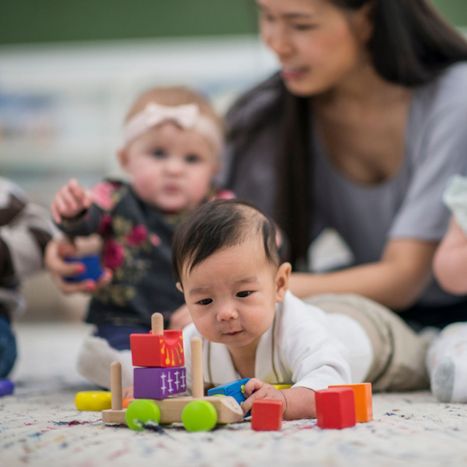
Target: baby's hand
(70,200)
(257,389)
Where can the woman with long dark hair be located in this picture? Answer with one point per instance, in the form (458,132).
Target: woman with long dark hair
(359,131)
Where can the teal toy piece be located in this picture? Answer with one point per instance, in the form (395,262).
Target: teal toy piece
(235,389)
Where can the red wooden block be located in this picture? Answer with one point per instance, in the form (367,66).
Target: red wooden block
(266,415)
(335,408)
(161,351)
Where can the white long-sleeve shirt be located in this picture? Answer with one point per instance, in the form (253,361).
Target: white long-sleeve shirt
(304,347)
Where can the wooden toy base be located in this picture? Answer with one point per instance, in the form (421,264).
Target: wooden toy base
(227,408)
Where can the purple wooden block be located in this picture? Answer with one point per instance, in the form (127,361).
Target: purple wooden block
(159,383)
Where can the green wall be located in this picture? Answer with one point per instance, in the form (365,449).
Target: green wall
(25,21)
(454,10)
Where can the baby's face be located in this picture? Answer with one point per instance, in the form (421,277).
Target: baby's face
(170,167)
(232,294)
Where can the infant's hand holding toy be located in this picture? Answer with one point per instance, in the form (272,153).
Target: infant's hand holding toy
(256,389)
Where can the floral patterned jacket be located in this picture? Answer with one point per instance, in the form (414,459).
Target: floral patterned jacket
(137,248)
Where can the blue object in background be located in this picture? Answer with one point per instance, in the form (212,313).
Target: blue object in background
(6,387)
(93,267)
(236,389)
(8,352)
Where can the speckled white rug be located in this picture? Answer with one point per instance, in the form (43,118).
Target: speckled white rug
(39,426)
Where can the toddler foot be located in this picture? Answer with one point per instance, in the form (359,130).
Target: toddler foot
(442,380)
(449,375)
(447,364)
(95,358)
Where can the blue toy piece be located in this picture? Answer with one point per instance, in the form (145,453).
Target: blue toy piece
(235,389)
(6,387)
(93,269)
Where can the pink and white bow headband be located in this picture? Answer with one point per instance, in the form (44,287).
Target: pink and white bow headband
(185,116)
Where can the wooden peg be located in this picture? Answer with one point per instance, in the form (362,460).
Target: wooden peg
(157,324)
(116,385)
(197,383)
(115,415)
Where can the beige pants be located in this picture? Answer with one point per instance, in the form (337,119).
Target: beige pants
(398,352)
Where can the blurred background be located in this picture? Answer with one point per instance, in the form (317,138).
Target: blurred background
(69,70)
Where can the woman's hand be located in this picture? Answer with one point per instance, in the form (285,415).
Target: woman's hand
(59,269)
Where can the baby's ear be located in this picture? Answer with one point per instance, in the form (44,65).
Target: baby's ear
(282,280)
(179,287)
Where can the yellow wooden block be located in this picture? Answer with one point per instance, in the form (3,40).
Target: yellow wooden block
(93,401)
(363,400)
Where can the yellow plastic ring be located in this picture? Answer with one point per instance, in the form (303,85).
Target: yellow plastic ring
(93,401)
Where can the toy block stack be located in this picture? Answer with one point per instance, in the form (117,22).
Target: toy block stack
(159,361)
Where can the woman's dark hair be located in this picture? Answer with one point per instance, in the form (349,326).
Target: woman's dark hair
(217,225)
(411,44)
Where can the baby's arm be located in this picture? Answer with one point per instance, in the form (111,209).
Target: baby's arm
(297,402)
(70,201)
(450,262)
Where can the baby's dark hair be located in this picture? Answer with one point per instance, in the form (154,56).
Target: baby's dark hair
(217,225)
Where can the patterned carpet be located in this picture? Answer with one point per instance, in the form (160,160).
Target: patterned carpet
(39,426)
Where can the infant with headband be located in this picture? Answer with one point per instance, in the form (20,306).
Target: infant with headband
(170,150)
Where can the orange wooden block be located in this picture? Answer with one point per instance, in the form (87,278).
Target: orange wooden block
(363,400)
(127,401)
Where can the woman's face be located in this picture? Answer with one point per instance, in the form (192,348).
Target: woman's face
(318,45)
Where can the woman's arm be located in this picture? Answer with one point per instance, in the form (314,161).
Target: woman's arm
(450,263)
(396,281)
